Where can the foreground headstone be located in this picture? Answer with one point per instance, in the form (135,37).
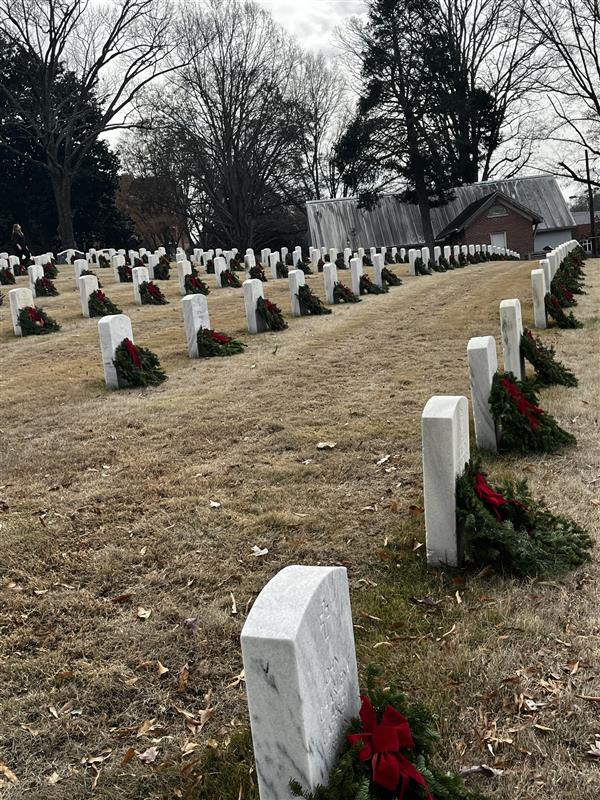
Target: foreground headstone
(301,677)
(112,329)
(87,285)
(538,290)
(483,365)
(511,329)
(18,299)
(329,281)
(356,271)
(139,276)
(183,268)
(296,280)
(253,289)
(445,431)
(195,316)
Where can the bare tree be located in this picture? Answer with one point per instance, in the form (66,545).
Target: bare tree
(82,66)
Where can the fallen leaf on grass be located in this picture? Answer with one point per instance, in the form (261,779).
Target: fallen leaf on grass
(121,598)
(257,552)
(7,773)
(195,722)
(128,756)
(161,669)
(416,510)
(326,445)
(481,769)
(148,756)
(143,613)
(215,504)
(382,461)
(237,680)
(182,679)
(233,603)
(53,779)
(594,751)
(91,760)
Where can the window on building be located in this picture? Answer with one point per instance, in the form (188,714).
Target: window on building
(497,211)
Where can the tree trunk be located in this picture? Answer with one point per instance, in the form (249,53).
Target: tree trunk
(62,184)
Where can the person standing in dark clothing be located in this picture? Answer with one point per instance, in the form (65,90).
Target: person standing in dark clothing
(19,243)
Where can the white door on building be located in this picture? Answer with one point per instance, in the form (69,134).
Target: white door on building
(498,239)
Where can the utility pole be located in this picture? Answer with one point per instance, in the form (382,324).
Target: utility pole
(591,205)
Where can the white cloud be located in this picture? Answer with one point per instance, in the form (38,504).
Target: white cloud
(313,21)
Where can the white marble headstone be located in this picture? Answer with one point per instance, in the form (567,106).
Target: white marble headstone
(18,299)
(296,279)
(511,329)
(483,365)
(112,329)
(139,275)
(253,289)
(183,268)
(538,289)
(195,316)
(329,281)
(87,285)
(356,270)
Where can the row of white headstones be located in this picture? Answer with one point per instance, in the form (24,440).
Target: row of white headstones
(298,642)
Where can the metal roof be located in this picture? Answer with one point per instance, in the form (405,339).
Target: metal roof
(334,223)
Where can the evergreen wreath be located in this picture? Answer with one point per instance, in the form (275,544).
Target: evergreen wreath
(151,295)
(564,296)
(210,266)
(35,322)
(439,267)
(44,287)
(89,272)
(125,275)
(452,262)
(304,266)
(281,270)
(7,277)
(548,370)
(387,754)
(366,286)
(524,426)
(390,278)
(399,260)
(342,294)
(137,366)
(270,314)
(194,285)
(462,260)
(420,268)
(289,260)
(340,263)
(138,262)
(145,258)
(50,270)
(321,263)
(258,272)
(162,270)
(230,279)
(103,261)
(99,305)
(388,259)
(554,310)
(310,303)
(367,261)
(444,263)
(506,527)
(212,343)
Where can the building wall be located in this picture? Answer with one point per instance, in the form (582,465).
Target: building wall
(551,239)
(519,231)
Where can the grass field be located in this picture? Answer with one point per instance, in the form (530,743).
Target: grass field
(123,592)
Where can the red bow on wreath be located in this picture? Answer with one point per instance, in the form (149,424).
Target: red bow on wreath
(381,744)
(524,407)
(132,351)
(35,316)
(219,338)
(100,296)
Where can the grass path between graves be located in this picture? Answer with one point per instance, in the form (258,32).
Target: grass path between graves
(123,593)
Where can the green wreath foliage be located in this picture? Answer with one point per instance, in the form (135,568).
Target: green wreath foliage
(366,286)
(100,305)
(529,430)
(564,296)
(103,261)
(270,314)
(554,310)
(439,267)
(521,537)
(35,322)
(50,270)
(151,295)
(343,294)
(444,263)
(44,287)
(125,275)
(89,272)
(304,266)
(230,280)
(258,272)
(214,344)
(548,370)
(281,269)
(390,278)
(162,270)
(420,268)
(7,277)
(148,373)
(194,285)
(310,303)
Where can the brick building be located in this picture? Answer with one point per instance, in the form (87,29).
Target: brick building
(493,219)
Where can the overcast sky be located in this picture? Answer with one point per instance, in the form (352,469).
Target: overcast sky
(313,21)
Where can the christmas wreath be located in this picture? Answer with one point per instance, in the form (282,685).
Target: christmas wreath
(7,277)
(44,287)
(340,263)
(548,370)
(138,262)
(565,297)
(390,278)
(439,267)
(281,270)
(366,286)
(524,426)
(388,753)
(310,303)
(452,262)
(388,258)
(89,272)
(162,270)
(145,258)
(554,310)
(212,343)
(35,322)
(400,260)
(505,526)
(151,295)
(230,279)
(99,305)
(462,260)
(420,268)
(258,272)
(321,263)
(137,366)
(444,264)
(304,265)
(103,261)
(342,294)
(125,275)
(210,266)
(367,261)
(270,314)
(50,270)
(193,285)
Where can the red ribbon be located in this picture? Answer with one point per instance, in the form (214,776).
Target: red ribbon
(132,351)
(35,316)
(381,744)
(100,296)
(524,407)
(219,338)
(154,290)
(555,302)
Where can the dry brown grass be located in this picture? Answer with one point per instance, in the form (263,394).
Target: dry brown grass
(108,495)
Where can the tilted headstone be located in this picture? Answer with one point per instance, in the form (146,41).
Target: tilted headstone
(378,265)
(220,266)
(195,316)
(18,299)
(112,329)
(296,280)
(139,275)
(329,281)
(356,271)
(538,290)
(183,268)
(445,431)
(483,365)
(253,289)
(87,285)
(511,329)
(301,677)
(35,272)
